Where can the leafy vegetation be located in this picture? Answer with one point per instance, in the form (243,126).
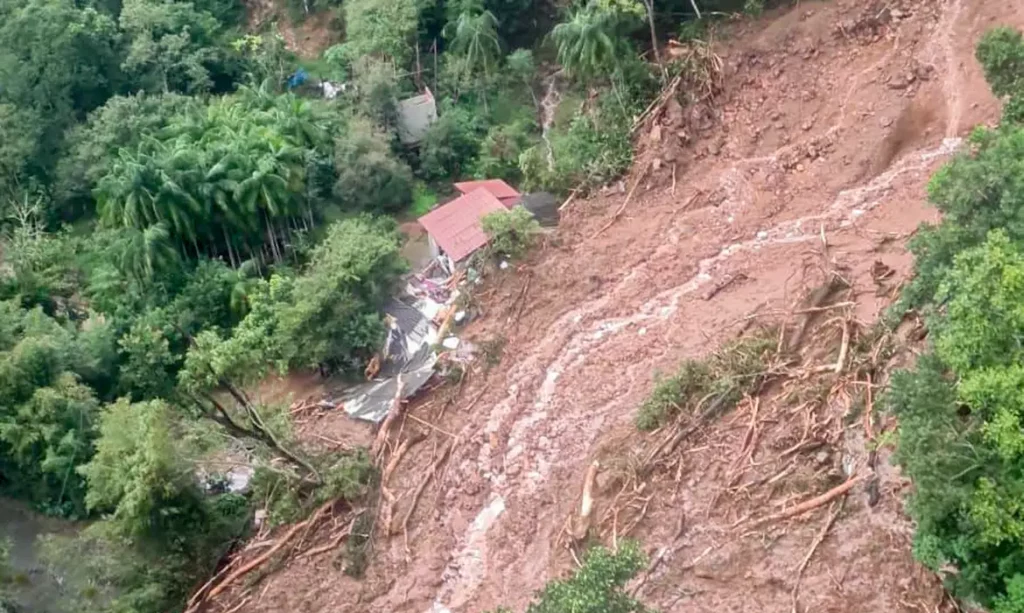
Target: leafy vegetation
(511,233)
(596,587)
(714,384)
(181,215)
(959,407)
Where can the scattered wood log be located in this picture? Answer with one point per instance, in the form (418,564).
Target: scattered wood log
(262,559)
(809,505)
(347,530)
(586,503)
(810,553)
(422,486)
(396,457)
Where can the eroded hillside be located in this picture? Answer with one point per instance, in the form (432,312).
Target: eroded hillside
(812,162)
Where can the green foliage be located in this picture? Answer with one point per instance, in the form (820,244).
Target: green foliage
(511,233)
(1001,54)
(92,146)
(714,384)
(451,144)
(327,316)
(960,407)
(370,177)
(171,45)
(384,30)
(288,498)
(592,42)
(161,528)
(423,200)
(475,50)
(47,414)
(753,8)
(225,180)
(977,192)
(598,586)
(594,149)
(501,149)
(334,317)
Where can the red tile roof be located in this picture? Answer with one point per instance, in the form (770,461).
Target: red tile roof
(501,190)
(455,226)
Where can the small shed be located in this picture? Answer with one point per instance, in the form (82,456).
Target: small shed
(455,229)
(415,116)
(498,188)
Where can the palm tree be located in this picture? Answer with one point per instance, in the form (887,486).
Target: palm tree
(147,252)
(588,44)
(475,37)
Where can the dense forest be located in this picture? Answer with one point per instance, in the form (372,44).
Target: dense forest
(182,216)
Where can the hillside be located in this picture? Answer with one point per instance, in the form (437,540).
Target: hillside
(811,164)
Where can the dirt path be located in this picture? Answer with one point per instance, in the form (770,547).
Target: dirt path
(835,115)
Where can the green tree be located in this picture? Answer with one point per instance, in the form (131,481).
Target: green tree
(384,30)
(92,147)
(475,47)
(370,177)
(333,319)
(591,44)
(172,45)
(57,62)
(1001,54)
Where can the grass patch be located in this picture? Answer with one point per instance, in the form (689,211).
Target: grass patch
(722,378)
(423,200)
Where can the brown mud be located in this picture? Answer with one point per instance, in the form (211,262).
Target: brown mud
(813,159)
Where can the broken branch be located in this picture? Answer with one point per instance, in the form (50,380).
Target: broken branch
(808,505)
(810,552)
(260,560)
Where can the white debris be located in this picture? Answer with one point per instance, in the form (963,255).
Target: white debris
(451,343)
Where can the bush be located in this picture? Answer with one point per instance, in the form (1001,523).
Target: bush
(288,498)
(976,192)
(594,149)
(714,384)
(511,233)
(1001,54)
(598,586)
(500,150)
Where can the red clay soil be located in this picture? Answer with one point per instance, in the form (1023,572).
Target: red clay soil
(833,117)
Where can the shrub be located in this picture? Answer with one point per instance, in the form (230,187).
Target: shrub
(289,499)
(511,233)
(1001,54)
(713,384)
(598,586)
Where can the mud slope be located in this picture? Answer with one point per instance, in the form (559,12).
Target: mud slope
(834,116)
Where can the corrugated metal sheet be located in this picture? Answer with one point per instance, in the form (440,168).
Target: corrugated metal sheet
(455,226)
